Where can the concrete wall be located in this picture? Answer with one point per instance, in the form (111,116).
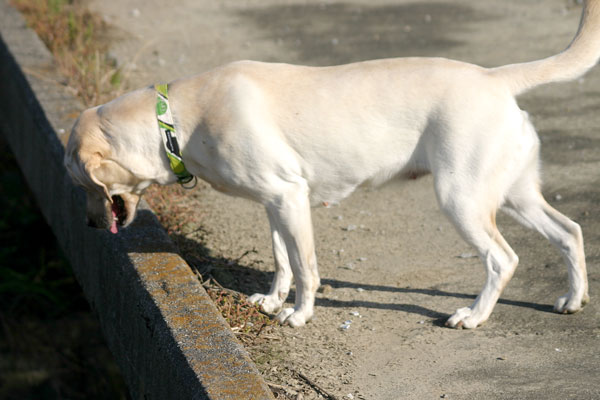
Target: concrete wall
(163,329)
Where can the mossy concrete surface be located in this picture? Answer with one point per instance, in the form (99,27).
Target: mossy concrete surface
(163,329)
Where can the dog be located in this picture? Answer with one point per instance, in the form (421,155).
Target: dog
(291,137)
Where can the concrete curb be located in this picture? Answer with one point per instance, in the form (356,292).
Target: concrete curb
(163,329)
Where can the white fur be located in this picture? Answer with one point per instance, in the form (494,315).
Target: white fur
(291,136)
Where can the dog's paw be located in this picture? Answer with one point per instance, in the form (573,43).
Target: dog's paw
(462,318)
(267,303)
(569,304)
(293,318)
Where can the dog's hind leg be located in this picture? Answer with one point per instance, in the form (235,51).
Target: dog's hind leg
(476,224)
(290,215)
(280,287)
(526,204)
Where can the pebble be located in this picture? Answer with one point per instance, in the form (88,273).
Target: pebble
(467,255)
(346,325)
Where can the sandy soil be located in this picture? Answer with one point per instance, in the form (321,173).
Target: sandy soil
(402,270)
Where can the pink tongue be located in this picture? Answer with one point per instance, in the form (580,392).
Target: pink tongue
(113,227)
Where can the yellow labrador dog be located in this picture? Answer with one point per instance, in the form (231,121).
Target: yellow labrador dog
(291,136)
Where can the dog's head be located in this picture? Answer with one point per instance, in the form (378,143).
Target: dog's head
(113,191)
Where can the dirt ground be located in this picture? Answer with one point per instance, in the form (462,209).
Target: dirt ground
(391,263)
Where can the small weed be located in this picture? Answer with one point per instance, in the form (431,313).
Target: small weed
(246,320)
(78,40)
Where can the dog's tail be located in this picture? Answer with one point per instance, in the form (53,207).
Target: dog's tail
(581,55)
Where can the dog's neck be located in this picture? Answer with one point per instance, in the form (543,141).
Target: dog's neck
(135,137)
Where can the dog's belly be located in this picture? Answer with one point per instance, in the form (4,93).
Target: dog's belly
(330,193)
(328,179)
(354,159)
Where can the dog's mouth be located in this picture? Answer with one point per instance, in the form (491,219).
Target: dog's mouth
(119,213)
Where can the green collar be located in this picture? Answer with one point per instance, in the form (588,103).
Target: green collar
(167,129)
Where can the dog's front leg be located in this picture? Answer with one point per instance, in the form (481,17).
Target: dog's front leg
(280,287)
(290,216)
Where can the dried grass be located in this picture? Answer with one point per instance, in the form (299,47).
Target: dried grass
(78,40)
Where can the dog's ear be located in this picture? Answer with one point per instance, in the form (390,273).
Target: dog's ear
(91,169)
(110,171)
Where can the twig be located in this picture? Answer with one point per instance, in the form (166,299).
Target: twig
(205,271)
(285,390)
(216,283)
(282,390)
(281,387)
(260,330)
(276,386)
(187,235)
(207,284)
(270,337)
(212,283)
(316,387)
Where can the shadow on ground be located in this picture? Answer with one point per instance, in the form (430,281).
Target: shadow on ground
(240,276)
